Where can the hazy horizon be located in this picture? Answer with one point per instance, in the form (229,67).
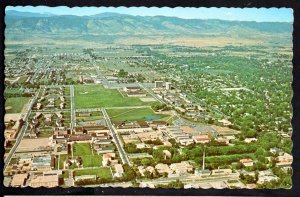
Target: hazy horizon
(231,14)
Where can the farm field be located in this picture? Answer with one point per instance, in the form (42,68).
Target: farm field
(85,152)
(95,96)
(133,114)
(15,104)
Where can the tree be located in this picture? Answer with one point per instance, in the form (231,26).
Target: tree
(122,73)
(140,78)
(146,162)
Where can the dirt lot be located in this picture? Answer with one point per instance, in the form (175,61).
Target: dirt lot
(33,144)
(12,116)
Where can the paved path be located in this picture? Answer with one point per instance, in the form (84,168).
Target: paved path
(152,94)
(122,152)
(73,118)
(191,179)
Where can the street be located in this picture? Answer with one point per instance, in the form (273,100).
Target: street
(122,152)
(21,132)
(73,118)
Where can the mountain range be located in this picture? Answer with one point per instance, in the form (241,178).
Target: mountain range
(122,24)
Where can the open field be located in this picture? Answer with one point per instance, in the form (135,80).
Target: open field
(99,172)
(132,114)
(15,104)
(94,96)
(85,152)
(62,159)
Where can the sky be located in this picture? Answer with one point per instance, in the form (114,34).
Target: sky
(245,14)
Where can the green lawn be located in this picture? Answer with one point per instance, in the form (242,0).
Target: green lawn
(16,104)
(85,152)
(65,174)
(131,114)
(46,133)
(90,118)
(62,159)
(95,96)
(99,172)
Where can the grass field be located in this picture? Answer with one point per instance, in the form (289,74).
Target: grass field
(131,114)
(95,96)
(62,159)
(16,104)
(99,172)
(85,152)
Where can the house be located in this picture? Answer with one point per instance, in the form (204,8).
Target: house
(107,158)
(59,122)
(167,154)
(48,117)
(276,151)
(284,160)
(266,176)
(142,145)
(222,140)
(163,168)
(44,181)
(18,180)
(141,170)
(119,170)
(247,162)
(62,105)
(59,114)
(62,98)
(186,141)
(38,115)
(201,139)
(249,140)
(225,122)
(33,132)
(182,167)
(149,169)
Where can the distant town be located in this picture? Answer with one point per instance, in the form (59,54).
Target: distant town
(147,116)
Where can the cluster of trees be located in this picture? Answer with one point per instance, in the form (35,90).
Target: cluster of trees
(122,73)
(160,107)
(154,142)
(94,182)
(17,94)
(131,148)
(267,79)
